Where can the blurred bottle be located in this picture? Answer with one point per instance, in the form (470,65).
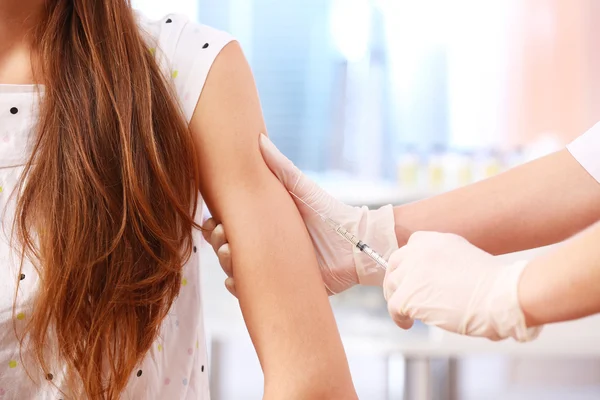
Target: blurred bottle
(409,166)
(451,161)
(493,165)
(435,168)
(465,169)
(487,163)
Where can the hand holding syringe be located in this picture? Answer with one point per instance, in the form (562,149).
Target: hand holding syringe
(349,237)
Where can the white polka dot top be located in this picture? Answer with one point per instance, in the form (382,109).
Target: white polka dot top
(176,366)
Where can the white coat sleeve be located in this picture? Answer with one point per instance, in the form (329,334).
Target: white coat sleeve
(586,150)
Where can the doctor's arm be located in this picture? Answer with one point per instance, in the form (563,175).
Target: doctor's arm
(539,203)
(562,285)
(463,289)
(284,304)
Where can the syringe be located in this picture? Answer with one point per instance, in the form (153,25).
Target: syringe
(349,237)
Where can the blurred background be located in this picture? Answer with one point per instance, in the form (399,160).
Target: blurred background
(389,101)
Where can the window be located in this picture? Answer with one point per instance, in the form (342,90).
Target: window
(350,87)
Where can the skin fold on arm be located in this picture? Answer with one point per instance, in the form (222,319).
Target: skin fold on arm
(279,286)
(536,204)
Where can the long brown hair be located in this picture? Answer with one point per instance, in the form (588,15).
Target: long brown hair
(105,209)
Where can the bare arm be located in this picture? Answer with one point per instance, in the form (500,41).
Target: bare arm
(563,284)
(282,298)
(536,204)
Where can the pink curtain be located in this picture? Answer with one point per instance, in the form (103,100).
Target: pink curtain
(554,75)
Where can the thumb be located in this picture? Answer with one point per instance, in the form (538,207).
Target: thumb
(395,310)
(292,178)
(280,165)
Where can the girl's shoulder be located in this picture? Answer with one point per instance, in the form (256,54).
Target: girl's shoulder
(185,51)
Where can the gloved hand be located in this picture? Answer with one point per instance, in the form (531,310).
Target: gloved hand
(443,280)
(342,266)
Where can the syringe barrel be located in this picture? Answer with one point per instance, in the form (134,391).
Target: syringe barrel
(357,243)
(347,235)
(372,254)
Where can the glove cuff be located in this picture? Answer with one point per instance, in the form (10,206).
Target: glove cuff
(377,229)
(506,312)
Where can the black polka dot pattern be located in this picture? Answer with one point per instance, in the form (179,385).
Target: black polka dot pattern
(169,21)
(22,277)
(14,110)
(139,373)
(202,369)
(195,249)
(205,45)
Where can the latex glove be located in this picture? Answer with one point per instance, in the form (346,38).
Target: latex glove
(342,266)
(215,235)
(443,280)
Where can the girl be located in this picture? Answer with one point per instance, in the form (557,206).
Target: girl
(110,125)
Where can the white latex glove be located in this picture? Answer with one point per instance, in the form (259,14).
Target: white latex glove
(443,280)
(342,266)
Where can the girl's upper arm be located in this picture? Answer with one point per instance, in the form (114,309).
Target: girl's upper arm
(281,294)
